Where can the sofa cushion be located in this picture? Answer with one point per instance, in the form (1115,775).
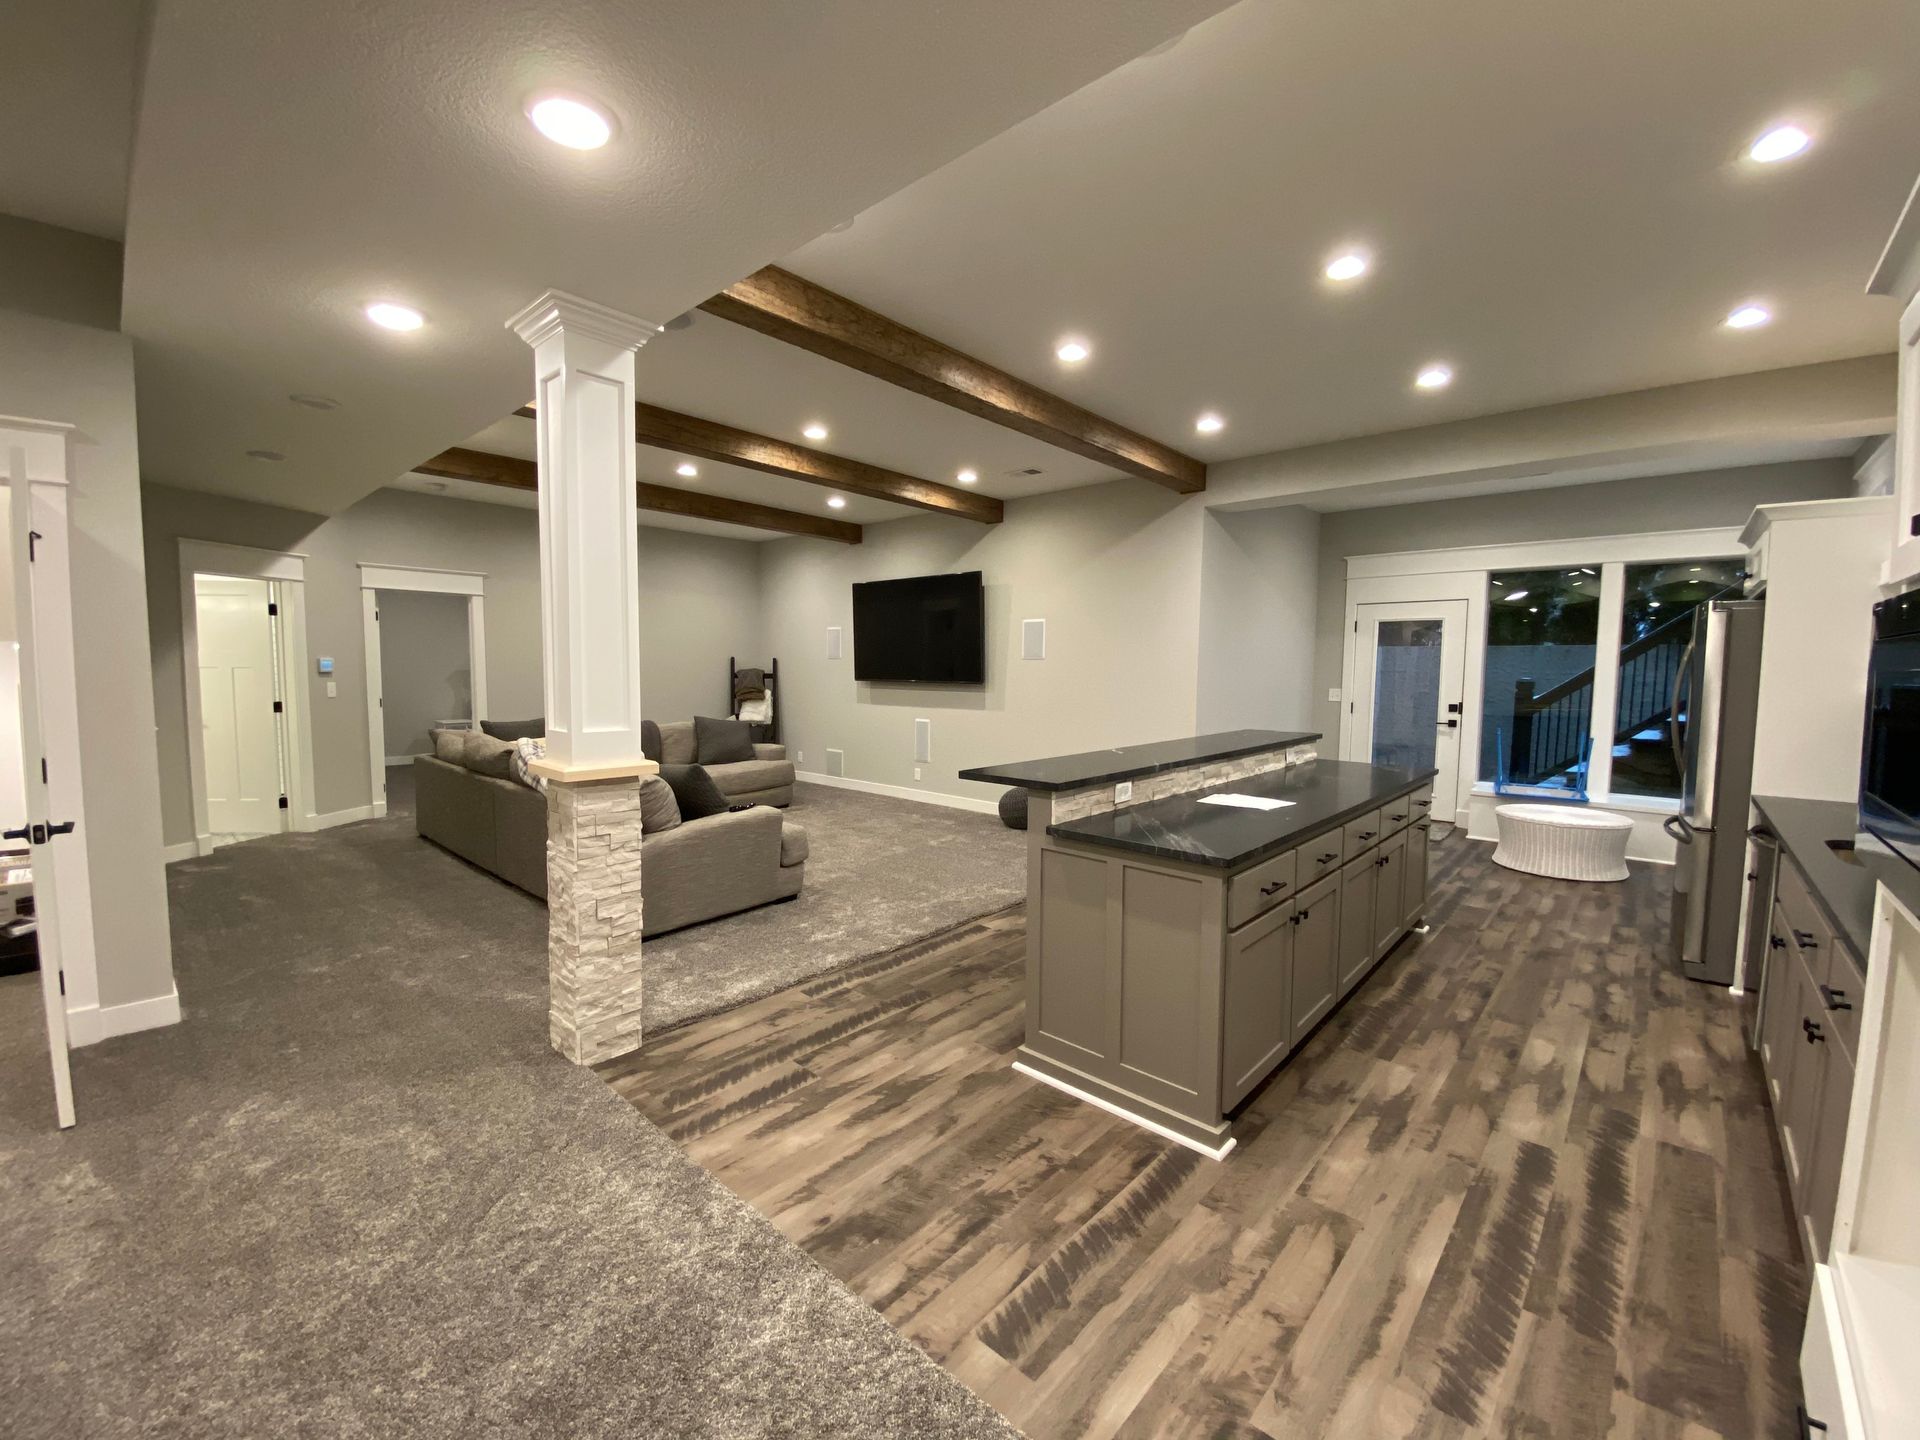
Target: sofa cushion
(449,745)
(488,756)
(793,844)
(658,809)
(676,743)
(721,742)
(514,729)
(746,776)
(694,792)
(650,741)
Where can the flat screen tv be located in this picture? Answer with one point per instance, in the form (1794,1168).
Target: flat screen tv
(930,629)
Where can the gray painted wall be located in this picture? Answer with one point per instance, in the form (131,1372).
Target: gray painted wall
(426,674)
(76,372)
(1258,576)
(1113,569)
(1622,507)
(699,603)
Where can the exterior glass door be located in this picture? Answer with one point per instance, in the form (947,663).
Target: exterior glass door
(1407,705)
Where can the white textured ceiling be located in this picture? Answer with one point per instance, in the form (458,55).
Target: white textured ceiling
(296,160)
(67,81)
(1556,195)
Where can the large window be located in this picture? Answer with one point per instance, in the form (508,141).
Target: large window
(1537,720)
(1656,622)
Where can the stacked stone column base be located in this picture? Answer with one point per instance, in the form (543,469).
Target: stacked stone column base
(593,929)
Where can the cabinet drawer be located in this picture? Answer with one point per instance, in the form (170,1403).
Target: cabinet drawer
(1844,990)
(1361,833)
(1397,814)
(1256,891)
(1422,802)
(1320,856)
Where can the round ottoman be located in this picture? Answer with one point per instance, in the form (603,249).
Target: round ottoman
(1013,809)
(1565,842)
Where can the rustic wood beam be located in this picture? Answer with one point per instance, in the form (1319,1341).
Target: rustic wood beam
(517,474)
(779,303)
(709,439)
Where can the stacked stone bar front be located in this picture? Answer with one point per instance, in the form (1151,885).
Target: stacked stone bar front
(1097,799)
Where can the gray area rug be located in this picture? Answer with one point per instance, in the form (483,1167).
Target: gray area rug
(356,1194)
(880,872)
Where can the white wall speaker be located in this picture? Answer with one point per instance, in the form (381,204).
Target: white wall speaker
(923,741)
(836,762)
(833,642)
(1033,639)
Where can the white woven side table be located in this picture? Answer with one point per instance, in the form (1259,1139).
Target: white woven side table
(1564,842)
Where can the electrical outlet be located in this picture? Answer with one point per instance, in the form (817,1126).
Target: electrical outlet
(1123,792)
(333,689)
(798,756)
(916,772)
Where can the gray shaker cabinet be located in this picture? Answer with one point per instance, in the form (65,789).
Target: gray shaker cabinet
(1316,955)
(1257,988)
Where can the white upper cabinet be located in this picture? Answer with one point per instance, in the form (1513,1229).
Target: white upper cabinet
(1898,275)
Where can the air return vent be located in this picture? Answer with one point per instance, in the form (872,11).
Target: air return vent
(836,762)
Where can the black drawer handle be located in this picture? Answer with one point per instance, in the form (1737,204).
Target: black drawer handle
(1776,942)
(1814,1032)
(1400,816)
(1807,1423)
(1424,804)
(1366,834)
(1327,858)
(1804,939)
(1273,889)
(1836,999)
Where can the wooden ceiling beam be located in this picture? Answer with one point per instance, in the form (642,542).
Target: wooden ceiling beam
(514,473)
(711,440)
(779,303)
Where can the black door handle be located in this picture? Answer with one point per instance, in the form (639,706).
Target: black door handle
(1449,724)
(38,834)
(1814,1032)
(1807,1423)
(1836,999)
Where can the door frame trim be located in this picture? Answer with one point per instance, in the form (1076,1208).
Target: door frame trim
(285,573)
(423,580)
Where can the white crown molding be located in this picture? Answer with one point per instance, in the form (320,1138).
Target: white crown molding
(557,312)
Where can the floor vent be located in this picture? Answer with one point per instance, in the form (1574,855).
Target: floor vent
(836,762)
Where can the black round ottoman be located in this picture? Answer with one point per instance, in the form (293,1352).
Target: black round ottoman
(1013,809)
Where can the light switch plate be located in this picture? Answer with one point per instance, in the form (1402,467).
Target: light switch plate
(1123,792)
(333,689)
(916,772)
(1334,695)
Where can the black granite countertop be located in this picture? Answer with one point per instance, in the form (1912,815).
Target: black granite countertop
(1129,762)
(1325,793)
(1842,879)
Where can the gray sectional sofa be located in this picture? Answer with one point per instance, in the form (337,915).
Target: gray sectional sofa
(767,779)
(698,870)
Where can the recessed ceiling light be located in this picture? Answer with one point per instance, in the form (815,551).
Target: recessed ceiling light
(1533,609)
(686,468)
(1783,142)
(572,123)
(1747,317)
(315,402)
(389,316)
(272,457)
(1517,595)
(1348,266)
(968,477)
(836,502)
(1434,377)
(1210,424)
(1072,351)
(815,431)
(1653,604)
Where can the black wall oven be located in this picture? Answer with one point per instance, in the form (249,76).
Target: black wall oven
(1890,763)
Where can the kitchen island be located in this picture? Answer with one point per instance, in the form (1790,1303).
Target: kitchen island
(1179,949)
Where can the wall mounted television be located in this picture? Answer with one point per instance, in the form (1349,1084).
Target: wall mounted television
(927,629)
(1890,762)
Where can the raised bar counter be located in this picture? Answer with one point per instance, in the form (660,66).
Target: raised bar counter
(1130,762)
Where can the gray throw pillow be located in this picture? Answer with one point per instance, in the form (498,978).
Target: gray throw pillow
(515,729)
(721,742)
(449,745)
(658,809)
(694,792)
(488,756)
(650,741)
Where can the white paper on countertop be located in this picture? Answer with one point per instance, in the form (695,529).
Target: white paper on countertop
(1245,802)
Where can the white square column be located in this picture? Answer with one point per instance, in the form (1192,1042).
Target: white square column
(590,629)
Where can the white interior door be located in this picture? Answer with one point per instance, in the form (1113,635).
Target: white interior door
(240,731)
(34,829)
(1409,684)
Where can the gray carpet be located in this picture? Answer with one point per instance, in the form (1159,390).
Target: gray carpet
(355,1194)
(881,872)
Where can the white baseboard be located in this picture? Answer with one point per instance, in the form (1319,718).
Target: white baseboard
(344,817)
(900,792)
(185,850)
(393,760)
(89,1024)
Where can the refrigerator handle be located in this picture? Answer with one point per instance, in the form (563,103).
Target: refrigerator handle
(1680,676)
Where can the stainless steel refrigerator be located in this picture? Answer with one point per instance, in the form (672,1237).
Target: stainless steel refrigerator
(1716,699)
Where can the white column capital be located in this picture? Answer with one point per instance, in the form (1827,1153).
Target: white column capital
(558,312)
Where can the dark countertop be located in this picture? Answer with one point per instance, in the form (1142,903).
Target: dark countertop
(1129,762)
(1325,793)
(1842,881)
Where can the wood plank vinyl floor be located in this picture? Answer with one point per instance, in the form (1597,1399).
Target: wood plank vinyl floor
(1522,1184)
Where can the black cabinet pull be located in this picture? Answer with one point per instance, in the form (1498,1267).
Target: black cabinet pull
(1424,804)
(1814,1032)
(1367,834)
(1804,939)
(1324,859)
(1836,999)
(1299,916)
(1273,889)
(1776,942)
(1807,1423)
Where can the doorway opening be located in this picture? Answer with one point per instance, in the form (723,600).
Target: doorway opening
(243,734)
(426,667)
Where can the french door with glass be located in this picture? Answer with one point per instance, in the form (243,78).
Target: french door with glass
(1408,700)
